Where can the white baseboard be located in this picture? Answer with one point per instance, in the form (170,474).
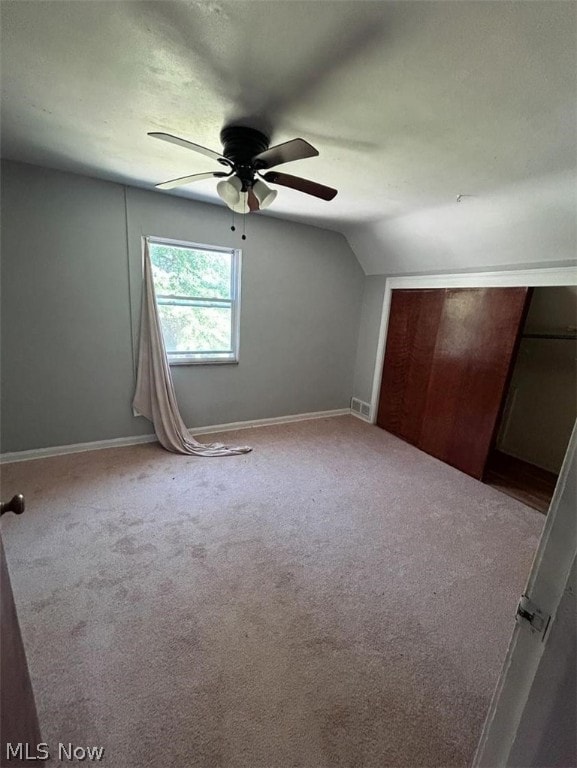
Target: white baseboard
(269,422)
(361,417)
(61,450)
(119,442)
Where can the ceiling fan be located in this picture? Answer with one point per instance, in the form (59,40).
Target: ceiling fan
(246,153)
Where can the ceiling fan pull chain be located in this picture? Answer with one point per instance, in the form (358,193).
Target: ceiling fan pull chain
(233,228)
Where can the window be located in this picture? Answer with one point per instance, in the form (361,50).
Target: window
(198,296)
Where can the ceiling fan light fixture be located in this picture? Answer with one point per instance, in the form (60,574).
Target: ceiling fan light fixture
(242,205)
(264,194)
(229,190)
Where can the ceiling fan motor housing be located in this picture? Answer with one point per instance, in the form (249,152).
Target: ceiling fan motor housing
(240,145)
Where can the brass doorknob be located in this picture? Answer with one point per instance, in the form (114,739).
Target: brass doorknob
(16,505)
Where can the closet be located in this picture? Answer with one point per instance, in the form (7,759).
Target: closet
(448,361)
(541,403)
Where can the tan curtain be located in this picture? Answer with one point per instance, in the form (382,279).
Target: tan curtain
(154,397)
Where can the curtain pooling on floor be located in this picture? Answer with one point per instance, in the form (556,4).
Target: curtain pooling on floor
(154,397)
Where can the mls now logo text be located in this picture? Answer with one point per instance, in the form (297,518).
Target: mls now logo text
(25,751)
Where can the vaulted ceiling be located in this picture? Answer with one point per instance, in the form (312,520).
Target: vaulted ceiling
(410,104)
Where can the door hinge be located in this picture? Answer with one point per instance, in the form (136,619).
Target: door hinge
(530,615)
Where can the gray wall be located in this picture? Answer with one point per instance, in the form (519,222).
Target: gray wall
(369,327)
(69,256)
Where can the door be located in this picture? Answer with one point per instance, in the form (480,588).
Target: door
(527,723)
(448,360)
(18,717)
(411,338)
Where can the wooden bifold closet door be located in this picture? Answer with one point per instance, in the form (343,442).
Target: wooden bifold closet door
(448,361)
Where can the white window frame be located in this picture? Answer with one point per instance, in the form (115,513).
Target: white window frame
(207,357)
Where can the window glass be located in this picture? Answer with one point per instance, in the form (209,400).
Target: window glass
(191,272)
(195,329)
(197,292)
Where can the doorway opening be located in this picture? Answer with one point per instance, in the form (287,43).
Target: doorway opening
(540,406)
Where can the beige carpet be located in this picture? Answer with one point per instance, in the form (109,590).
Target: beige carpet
(335,598)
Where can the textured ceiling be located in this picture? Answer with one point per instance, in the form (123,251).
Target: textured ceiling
(409,103)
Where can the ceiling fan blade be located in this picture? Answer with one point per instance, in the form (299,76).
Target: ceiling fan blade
(253,204)
(189,179)
(302,185)
(296,149)
(189,145)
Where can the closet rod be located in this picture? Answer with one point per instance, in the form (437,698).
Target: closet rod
(563,336)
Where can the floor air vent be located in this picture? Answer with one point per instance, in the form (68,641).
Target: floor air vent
(360,409)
